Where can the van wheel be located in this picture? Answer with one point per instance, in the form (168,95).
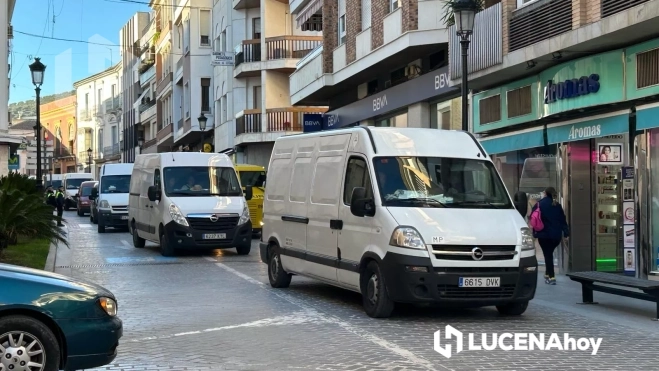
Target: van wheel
(80,213)
(513,309)
(138,242)
(166,248)
(276,273)
(244,249)
(374,292)
(101,227)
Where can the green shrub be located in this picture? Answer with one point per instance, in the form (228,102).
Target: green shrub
(20,182)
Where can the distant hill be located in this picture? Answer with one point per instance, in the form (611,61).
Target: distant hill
(28,108)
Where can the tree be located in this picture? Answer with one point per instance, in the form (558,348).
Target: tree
(448,9)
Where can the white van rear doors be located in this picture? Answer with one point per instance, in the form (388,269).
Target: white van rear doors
(324,224)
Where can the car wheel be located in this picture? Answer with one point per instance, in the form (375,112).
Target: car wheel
(278,277)
(244,249)
(374,292)
(137,240)
(166,248)
(67,206)
(80,213)
(28,345)
(101,227)
(513,309)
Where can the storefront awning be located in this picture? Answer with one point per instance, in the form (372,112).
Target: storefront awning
(308,11)
(587,128)
(524,139)
(647,117)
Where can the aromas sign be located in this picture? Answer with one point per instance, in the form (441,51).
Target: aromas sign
(571,88)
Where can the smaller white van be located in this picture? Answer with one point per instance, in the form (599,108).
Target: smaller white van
(54,180)
(71,183)
(188,201)
(111,196)
(400,215)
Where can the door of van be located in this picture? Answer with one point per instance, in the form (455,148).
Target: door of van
(146,205)
(357,232)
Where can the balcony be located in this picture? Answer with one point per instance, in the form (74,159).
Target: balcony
(249,121)
(112,104)
(537,23)
(288,119)
(147,111)
(149,33)
(246,4)
(164,133)
(112,151)
(611,7)
(249,51)
(164,84)
(147,75)
(86,114)
(150,146)
(83,156)
(290,46)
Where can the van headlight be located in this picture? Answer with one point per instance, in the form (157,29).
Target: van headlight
(104,204)
(407,237)
(244,217)
(177,216)
(527,239)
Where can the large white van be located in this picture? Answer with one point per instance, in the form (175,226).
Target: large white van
(188,200)
(398,215)
(111,196)
(71,183)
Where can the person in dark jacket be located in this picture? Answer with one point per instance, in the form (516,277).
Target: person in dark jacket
(555,228)
(50,197)
(60,205)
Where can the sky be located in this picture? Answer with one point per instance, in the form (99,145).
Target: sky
(96,21)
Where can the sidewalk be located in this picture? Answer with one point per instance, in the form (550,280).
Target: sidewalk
(618,310)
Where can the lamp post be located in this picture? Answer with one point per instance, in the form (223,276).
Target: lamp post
(202,126)
(140,142)
(464,12)
(37,70)
(89,159)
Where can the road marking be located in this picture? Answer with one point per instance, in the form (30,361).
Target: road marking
(137,259)
(126,245)
(296,318)
(85,225)
(418,360)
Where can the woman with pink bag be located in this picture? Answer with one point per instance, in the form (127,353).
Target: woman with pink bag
(549,227)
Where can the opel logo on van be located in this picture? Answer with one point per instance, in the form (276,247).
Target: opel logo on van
(214,218)
(477,253)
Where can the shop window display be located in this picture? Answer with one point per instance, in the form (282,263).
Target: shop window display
(529,171)
(654,198)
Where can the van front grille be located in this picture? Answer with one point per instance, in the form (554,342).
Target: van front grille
(464,252)
(455,292)
(222,224)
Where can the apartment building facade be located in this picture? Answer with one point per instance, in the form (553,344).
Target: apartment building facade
(252,97)
(8,143)
(382,63)
(99,118)
(164,77)
(130,36)
(569,99)
(145,105)
(187,61)
(59,126)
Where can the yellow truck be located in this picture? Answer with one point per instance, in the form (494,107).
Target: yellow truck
(253,175)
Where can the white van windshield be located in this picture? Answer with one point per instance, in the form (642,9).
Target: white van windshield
(201,181)
(440,182)
(115,184)
(74,183)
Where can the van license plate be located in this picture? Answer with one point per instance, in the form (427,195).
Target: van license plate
(215,236)
(124,217)
(479,282)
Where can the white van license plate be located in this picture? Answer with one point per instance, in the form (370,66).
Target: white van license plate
(124,217)
(479,282)
(215,236)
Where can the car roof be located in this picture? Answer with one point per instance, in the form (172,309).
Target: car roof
(89,183)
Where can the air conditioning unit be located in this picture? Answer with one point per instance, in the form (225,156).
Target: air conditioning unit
(412,71)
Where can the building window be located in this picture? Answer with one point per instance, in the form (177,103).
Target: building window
(186,99)
(86,114)
(223,104)
(223,40)
(113,90)
(204,27)
(342,22)
(115,136)
(522,3)
(88,139)
(366,14)
(399,121)
(393,5)
(205,95)
(257,97)
(99,147)
(357,176)
(654,195)
(186,37)
(256,28)
(179,38)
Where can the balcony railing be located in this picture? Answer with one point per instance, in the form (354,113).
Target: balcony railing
(112,104)
(83,156)
(86,114)
(113,150)
(179,64)
(145,106)
(164,83)
(611,7)
(150,143)
(543,22)
(164,132)
(249,122)
(290,46)
(249,51)
(288,119)
(148,74)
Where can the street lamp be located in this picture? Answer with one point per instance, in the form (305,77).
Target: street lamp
(140,142)
(89,159)
(202,126)
(464,12)
(37,70)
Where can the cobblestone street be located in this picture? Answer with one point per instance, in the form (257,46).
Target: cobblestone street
(217,312)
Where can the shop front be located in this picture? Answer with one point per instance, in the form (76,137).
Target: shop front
(561,129)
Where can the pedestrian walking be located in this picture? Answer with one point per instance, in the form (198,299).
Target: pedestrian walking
(549,227)
(60,205)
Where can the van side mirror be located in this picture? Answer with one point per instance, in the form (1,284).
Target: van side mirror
(152,193)
(249,193)
(360,205)
(521,202)
(94,193)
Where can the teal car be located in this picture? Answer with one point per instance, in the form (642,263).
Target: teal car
(52,322)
